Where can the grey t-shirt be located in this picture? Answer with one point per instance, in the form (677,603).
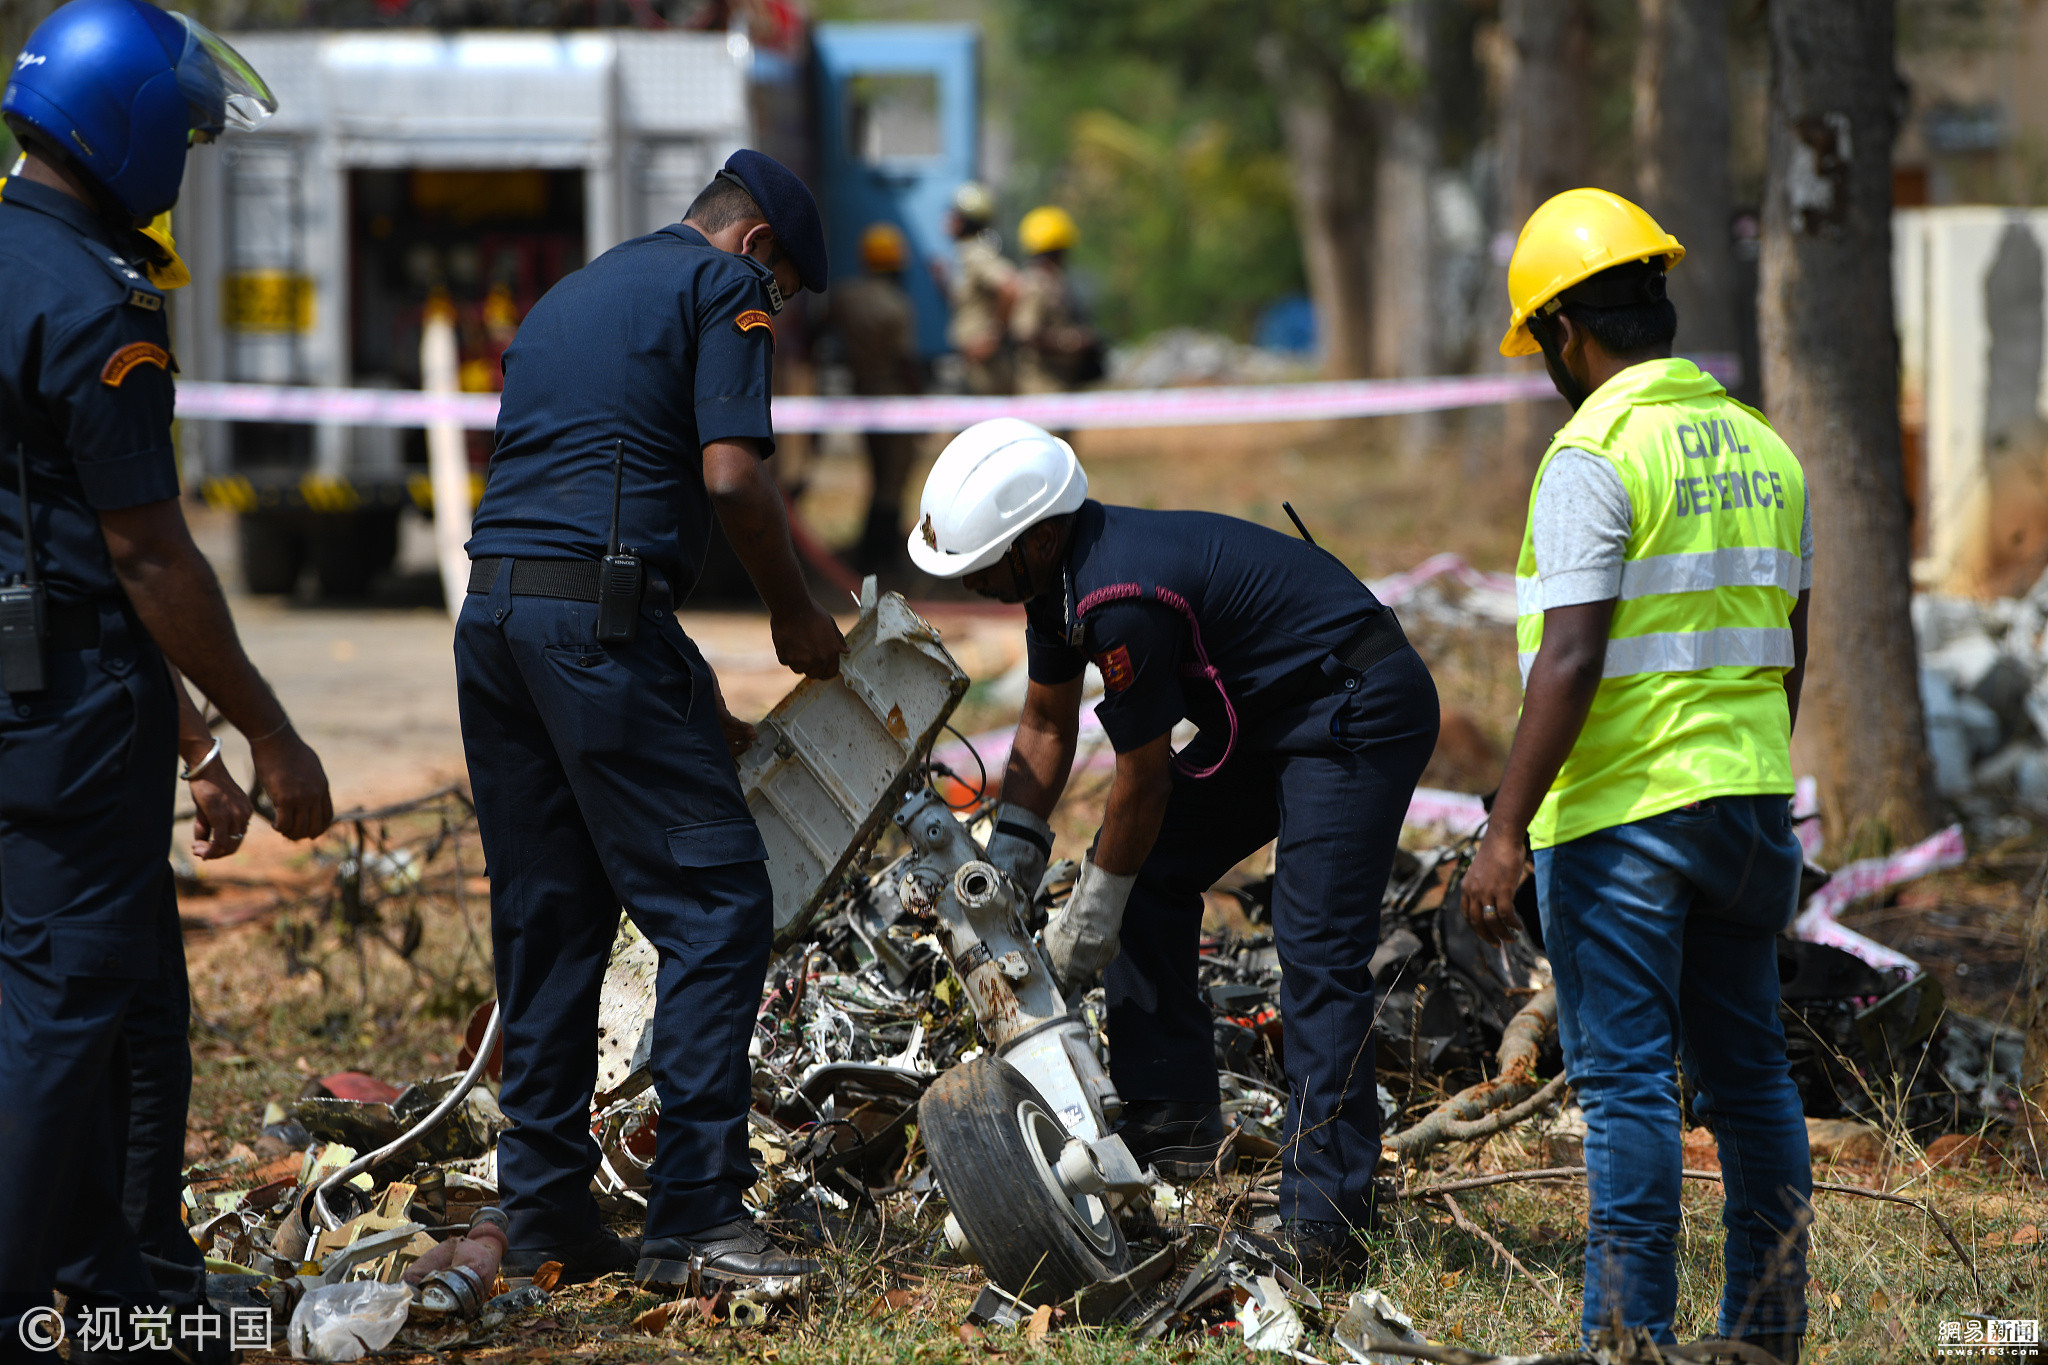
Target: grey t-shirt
(1581,519)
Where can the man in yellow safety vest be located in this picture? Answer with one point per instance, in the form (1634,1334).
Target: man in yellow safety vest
(1662,596)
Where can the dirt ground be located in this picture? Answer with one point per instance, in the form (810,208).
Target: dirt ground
(287,988)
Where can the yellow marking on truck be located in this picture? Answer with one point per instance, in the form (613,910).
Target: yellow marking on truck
(267,301)
(326,494)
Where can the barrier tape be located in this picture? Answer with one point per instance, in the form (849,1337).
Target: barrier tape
(799,413)
(1817,923)
(1097,408)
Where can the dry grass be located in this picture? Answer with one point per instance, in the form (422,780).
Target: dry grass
(300,990)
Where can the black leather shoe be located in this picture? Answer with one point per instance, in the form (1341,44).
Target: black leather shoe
(601,1254)
(731,1252)
(1322,1253)
(1178,1138)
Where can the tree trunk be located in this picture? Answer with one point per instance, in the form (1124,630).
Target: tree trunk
(1331,154)
(1681,139)
(1407,305)
(1546,139)
(1830,361)
(2034,1022)
(1545,149)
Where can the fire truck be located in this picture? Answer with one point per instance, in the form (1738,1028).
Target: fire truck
(408,170)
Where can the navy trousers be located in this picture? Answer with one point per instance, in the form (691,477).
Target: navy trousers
(92,973)
(1330,779)
(602,778)
(157,1032)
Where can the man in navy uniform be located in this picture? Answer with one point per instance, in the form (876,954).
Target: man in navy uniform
(600,750)
(104,100)
(1316,719)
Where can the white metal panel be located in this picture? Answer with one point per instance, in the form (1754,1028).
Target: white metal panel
(290,64)
(396,99)
(829,763)
(509,99)
(681,83)
(264,228)
(195,310)
(666,176)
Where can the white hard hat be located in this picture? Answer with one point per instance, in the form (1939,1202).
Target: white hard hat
(993,482)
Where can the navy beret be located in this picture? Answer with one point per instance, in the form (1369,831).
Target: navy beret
(786,203)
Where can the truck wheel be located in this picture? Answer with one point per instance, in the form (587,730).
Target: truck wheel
(272,553)
(995,1147)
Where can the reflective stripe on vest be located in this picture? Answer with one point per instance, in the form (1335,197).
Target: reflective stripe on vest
(1691,701)
(1691,651)
(1758,566)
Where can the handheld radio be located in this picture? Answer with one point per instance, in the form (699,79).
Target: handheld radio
(622,577)
(23,617)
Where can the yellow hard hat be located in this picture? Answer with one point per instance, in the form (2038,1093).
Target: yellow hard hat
(882,249)
(1571,237)
(1047,228)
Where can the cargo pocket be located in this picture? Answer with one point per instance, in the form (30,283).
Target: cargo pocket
(112,951)
(723,865)
(716,843)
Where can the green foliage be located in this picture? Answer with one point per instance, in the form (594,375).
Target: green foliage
(1377,62)
(1183,223)
(1153,125)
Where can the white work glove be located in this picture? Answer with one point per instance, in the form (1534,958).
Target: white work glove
(1020,847)
(1085,937)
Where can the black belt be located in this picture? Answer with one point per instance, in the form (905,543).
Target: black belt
(1378,638)
(569,580)
(1375,640)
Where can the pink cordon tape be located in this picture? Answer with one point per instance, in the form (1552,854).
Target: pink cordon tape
(1182,407)
(1817,923)
(799,412)
(1398,588)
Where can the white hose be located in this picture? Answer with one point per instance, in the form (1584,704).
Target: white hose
(322,1214)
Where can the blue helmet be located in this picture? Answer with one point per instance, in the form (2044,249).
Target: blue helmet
(122,88)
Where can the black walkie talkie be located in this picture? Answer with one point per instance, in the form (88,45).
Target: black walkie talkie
(22,616)
(621,577)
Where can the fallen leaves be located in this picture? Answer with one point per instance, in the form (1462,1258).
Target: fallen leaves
(892,1301)
(659,1318)
(547,1275)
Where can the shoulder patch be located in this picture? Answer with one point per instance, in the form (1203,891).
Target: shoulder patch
(754,319)
(135,353)
(1117,671)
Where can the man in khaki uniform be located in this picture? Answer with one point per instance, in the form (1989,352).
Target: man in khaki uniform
(1056,348)
(876,320)
(982,291)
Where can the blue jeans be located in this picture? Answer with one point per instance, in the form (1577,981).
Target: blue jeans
(1662,935)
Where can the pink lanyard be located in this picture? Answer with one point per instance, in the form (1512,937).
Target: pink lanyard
(1199,667)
